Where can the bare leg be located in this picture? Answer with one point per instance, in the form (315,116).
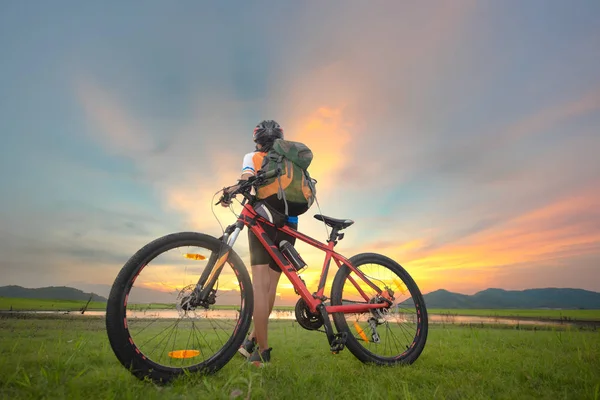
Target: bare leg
(264,283)
(275,275)
(272,295)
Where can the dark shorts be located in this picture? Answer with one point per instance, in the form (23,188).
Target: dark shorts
(258,254)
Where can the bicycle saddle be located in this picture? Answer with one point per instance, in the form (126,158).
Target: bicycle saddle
(334,222)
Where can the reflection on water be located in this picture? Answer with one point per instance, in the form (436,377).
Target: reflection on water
(290,315)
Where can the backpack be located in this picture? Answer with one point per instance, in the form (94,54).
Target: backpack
(293,183)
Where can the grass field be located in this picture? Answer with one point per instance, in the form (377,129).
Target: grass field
(584,315)
(70,358)
(6,303)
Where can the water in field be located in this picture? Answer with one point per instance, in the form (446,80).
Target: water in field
(290,315)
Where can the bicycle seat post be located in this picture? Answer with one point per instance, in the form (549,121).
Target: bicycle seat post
(335,236)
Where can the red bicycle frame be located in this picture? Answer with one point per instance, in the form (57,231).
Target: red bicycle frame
(254,221)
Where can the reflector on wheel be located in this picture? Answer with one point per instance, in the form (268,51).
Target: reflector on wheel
(184,354)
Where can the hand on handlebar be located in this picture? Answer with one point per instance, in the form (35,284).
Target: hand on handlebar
(230,192)
(225,199)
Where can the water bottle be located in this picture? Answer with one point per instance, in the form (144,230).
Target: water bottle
(292,255)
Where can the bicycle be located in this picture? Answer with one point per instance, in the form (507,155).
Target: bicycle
(193,304)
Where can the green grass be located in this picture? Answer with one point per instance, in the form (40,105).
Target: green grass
(70,358)
(17,304)
(583,315)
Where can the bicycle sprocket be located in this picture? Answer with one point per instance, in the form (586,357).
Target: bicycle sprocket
(305,318)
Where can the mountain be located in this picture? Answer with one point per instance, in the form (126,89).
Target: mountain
(137,295)
(52,292)
(489,299)
(529,298)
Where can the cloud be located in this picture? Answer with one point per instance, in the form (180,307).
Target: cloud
(118,132)
(422,129)
(499,154)
(209,165)
(73,241)
(376,75)
(186,171)
(558,232)
(374,139)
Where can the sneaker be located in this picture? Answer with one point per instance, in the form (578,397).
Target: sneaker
(247,347)
(259,359)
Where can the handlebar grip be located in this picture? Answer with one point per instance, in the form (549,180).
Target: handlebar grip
(223,198)
(245,184)
(272,174)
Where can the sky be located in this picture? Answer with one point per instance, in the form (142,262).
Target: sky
(461,137)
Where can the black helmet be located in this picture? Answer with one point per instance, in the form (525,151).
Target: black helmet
(267,131)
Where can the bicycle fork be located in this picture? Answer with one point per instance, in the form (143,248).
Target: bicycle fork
(204,293)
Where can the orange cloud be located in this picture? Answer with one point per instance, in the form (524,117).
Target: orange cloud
(119,131)
(193,192)
(549,117)
(559,230)
(327,134)
(325,130)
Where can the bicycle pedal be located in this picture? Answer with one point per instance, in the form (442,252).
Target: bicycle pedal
(339,342)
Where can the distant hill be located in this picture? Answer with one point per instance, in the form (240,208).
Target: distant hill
(486,299)
(52,292)
(529,298)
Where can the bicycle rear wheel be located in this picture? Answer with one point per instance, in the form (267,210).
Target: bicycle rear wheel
(151,328)
(394,335)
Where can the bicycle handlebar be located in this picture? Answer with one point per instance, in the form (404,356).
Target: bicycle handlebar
(270,174)
(245,185)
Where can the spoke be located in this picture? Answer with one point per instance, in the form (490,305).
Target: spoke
(169,275)
(196,336)
(203,337)
(393,336)
(405,331)
(219,325)
(154,337)
(187,344)
(144,328)
(174,339)
(386,345)
(392,342)
(166,337)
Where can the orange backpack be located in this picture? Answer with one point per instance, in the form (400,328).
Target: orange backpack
(293,183)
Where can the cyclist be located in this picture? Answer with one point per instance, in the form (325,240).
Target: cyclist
(265,272)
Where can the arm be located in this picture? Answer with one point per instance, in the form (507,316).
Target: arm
(247,172)
(244,177)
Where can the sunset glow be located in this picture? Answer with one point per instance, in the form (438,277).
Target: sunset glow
(466,148)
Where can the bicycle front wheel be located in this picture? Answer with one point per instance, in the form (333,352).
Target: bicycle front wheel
(153,330)
(385,336)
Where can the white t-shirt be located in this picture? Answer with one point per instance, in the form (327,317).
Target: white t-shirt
(252,162)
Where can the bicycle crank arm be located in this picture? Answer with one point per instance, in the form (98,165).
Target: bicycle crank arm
(337,341)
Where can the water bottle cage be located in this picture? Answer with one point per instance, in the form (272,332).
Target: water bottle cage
(292,255)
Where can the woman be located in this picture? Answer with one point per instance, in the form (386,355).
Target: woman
(265,272)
